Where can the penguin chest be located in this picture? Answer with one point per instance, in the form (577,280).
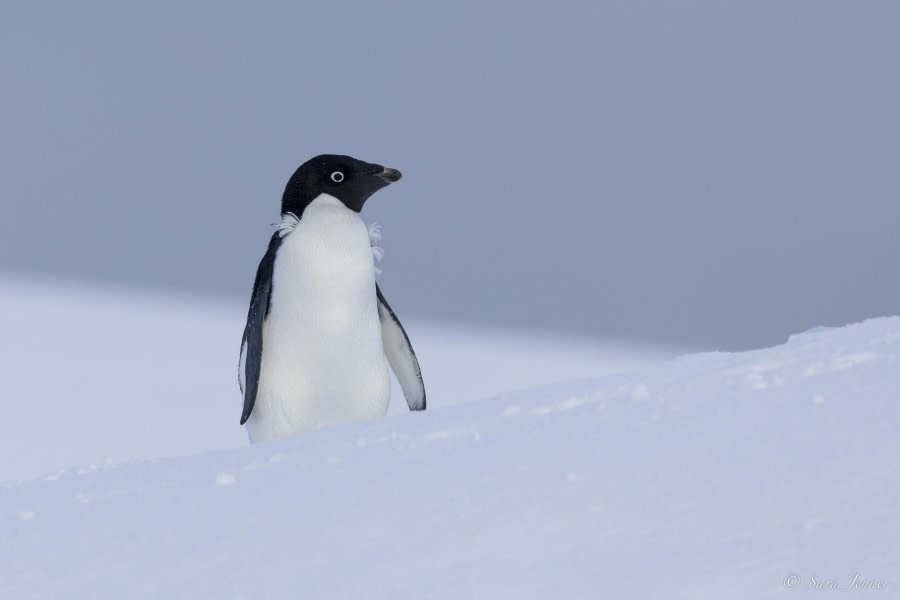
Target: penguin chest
(323,360)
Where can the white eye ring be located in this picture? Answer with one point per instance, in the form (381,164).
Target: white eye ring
(337,177)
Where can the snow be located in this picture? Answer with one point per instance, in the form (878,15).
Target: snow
(714,475)
(94,373)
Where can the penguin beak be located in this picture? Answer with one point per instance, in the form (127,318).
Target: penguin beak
(389,175)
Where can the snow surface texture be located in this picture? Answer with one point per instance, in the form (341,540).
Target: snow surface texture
(713,476)
(104,374)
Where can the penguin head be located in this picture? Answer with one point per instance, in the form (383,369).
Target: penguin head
(349,180)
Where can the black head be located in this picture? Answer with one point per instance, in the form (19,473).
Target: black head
(349,180)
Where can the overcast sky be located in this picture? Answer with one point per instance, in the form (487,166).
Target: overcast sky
(719,173)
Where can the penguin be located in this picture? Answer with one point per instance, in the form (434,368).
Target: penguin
(320,334)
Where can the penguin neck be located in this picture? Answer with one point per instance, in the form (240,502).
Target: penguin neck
(290,219)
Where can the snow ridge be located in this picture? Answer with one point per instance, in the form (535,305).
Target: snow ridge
(715,475)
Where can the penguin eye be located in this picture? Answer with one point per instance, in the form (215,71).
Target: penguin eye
(337,177)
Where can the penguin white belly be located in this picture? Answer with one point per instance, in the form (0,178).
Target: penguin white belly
(323,359)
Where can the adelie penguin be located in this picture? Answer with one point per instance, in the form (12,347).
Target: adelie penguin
(319,333)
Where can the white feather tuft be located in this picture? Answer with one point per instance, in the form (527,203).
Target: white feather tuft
(374,233)
(374,238)
(288,222)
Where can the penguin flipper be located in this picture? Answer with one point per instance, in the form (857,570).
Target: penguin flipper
(252,342)
(400,354)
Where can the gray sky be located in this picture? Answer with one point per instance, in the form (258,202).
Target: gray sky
(714,172)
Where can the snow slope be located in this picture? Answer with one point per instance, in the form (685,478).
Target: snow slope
(104,373)
(712,476)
